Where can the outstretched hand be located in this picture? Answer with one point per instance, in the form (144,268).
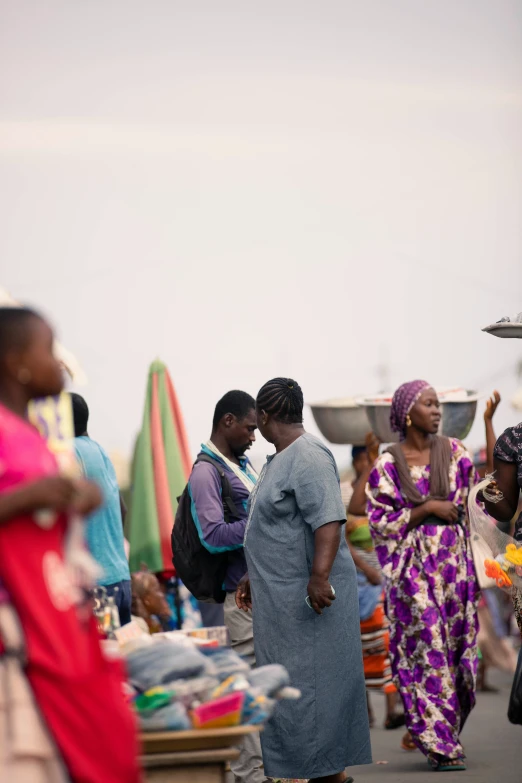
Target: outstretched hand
(491,406)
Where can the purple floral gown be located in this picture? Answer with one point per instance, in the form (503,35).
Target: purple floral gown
(431,597)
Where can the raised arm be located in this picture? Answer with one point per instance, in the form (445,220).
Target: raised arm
(491,406)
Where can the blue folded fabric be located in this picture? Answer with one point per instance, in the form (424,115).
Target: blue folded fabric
(269,679)
(226,662)
(163,663)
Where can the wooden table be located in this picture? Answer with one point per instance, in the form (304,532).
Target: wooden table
(198,756)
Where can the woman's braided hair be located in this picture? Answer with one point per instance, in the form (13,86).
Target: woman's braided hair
(283,399)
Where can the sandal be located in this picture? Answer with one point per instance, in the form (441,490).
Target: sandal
(446,765)
(407,743)
(395,721)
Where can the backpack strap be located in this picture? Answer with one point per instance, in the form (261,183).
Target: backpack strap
(229,507)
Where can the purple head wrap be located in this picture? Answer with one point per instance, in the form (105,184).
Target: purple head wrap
(403,401)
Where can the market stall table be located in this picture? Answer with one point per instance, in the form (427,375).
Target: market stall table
(197,756)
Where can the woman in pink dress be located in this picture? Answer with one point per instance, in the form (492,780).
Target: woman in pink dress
(78,692)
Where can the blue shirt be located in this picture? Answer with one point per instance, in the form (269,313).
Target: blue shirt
(104,530)
(369,596)
(207,511)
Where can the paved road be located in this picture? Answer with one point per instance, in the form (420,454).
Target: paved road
(493,747)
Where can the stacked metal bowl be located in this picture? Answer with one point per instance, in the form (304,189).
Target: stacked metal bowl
(348,420)
(342,421)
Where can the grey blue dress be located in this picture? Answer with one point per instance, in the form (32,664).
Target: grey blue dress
(327,729)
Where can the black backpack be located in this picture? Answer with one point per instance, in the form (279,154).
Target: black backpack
(202,572)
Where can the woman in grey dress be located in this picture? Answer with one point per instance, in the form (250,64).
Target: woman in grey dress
(303,587)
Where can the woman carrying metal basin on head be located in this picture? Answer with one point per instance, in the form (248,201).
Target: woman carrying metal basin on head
(417,496)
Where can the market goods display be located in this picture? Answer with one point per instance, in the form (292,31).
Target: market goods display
(180,681)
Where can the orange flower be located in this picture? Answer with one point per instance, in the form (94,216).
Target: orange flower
(494,571)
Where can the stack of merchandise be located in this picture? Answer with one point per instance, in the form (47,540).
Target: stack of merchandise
(179,682)
(106,612)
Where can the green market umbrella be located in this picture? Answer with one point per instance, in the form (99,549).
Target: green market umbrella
(161,468)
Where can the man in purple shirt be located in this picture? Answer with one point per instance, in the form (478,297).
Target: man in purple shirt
(233,433)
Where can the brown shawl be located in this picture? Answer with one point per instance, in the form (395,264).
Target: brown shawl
(440,460)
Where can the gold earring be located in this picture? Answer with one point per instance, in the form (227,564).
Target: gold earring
(24,375)
(408,420)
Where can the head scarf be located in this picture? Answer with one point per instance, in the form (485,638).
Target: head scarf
(403,401)
(440,458)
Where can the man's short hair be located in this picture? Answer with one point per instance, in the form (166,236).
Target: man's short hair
(239,403)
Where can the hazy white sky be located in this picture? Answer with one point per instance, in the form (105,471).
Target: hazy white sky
(252,189)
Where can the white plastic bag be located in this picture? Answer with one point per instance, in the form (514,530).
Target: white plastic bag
(488,543)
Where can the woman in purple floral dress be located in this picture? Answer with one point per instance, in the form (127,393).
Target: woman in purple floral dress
(417,496)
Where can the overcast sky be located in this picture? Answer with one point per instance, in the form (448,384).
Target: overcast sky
(253,189)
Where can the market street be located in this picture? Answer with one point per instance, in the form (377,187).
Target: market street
(492,746)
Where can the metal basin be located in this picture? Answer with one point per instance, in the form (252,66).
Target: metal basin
(342,421)
(457,417)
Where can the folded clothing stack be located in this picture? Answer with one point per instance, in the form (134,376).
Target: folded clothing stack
(177,686)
